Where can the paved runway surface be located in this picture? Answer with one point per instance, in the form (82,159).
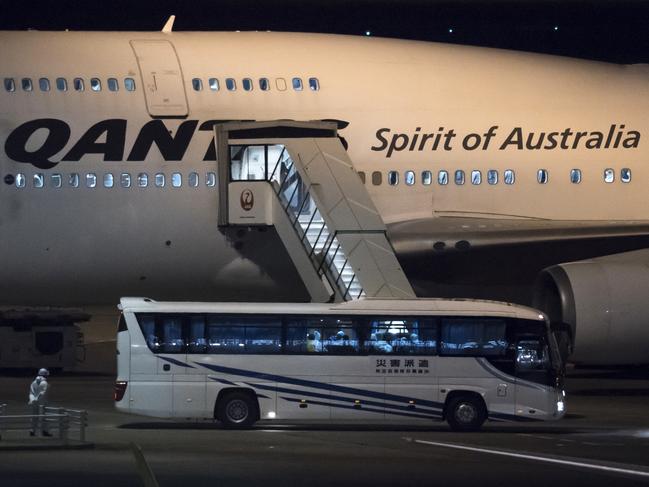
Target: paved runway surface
(604,440)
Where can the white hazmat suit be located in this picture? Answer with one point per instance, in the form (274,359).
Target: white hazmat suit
(38,392)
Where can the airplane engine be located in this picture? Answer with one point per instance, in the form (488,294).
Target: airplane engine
(605,304)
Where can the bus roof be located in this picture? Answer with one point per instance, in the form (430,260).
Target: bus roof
(368,306)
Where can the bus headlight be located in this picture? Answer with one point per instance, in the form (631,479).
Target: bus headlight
(560,406)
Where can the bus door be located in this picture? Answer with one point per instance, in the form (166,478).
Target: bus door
(406,348)
(162,78)
(152,374)
(187,382)
(534,376)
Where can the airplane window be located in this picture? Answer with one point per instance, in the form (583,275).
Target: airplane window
(214,84)
(113,84)
(109,181)
(231,84)
(575,176)
(426,178)
(193,179)
(542,176)
(442,178)
(264,84)
(197,84)
(625,175)
(91,180)
(297,84)
(409,178)
(78,84)
(129,84)
(210,179)
(20,180)
(10,84)
(314,84)
(44,84)
(459,177)
(57,180)
(361,175)
(247,84)
(61,84)
(143,180)
(125,180)
(377,178)
(73,180)
(609,175)
(510,176)
(280,83)
(95,84)
(38,180)
(160,180)
(476,177)
(176,180)
(492,176)
(27,84)
(393,178)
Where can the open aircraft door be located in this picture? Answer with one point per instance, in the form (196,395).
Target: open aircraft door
(162,77)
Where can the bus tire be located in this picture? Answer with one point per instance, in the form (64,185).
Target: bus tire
(465,412)
(237,410)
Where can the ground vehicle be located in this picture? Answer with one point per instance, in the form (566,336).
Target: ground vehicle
(460,360)
(36,338)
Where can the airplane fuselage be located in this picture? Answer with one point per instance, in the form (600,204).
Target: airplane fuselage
(407,106)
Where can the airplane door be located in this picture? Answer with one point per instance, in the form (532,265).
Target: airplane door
(162,78)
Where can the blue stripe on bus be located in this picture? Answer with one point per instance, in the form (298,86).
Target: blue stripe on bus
(223,381)
(431,414)
(230,383)
(176,362)
(319,385)
(369,410)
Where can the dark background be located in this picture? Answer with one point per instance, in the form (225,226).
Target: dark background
(615,31)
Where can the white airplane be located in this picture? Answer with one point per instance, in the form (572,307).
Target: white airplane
(500,174)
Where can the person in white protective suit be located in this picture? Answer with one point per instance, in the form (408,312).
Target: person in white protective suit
(38,392)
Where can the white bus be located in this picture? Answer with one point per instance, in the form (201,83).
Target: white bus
(462,361)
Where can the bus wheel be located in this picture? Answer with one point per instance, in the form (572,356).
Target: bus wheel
(237,410)
(465,413)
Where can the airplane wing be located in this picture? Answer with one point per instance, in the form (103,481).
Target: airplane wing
(501,258)
(448,234)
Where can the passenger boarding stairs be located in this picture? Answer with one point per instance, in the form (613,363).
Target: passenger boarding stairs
(298,177)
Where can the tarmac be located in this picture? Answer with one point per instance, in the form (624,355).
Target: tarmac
(603,439)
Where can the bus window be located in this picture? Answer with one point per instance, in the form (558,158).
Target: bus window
(401,336)
(172,336)
(197,343)
(301,338)
(340,339)
(244,335)
(531,354)
(147,325)
(473,336)
(332,335)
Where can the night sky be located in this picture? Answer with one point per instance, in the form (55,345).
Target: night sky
(615,31)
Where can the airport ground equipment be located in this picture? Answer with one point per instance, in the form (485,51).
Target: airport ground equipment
(60,419)
(298,177)
(33,337)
